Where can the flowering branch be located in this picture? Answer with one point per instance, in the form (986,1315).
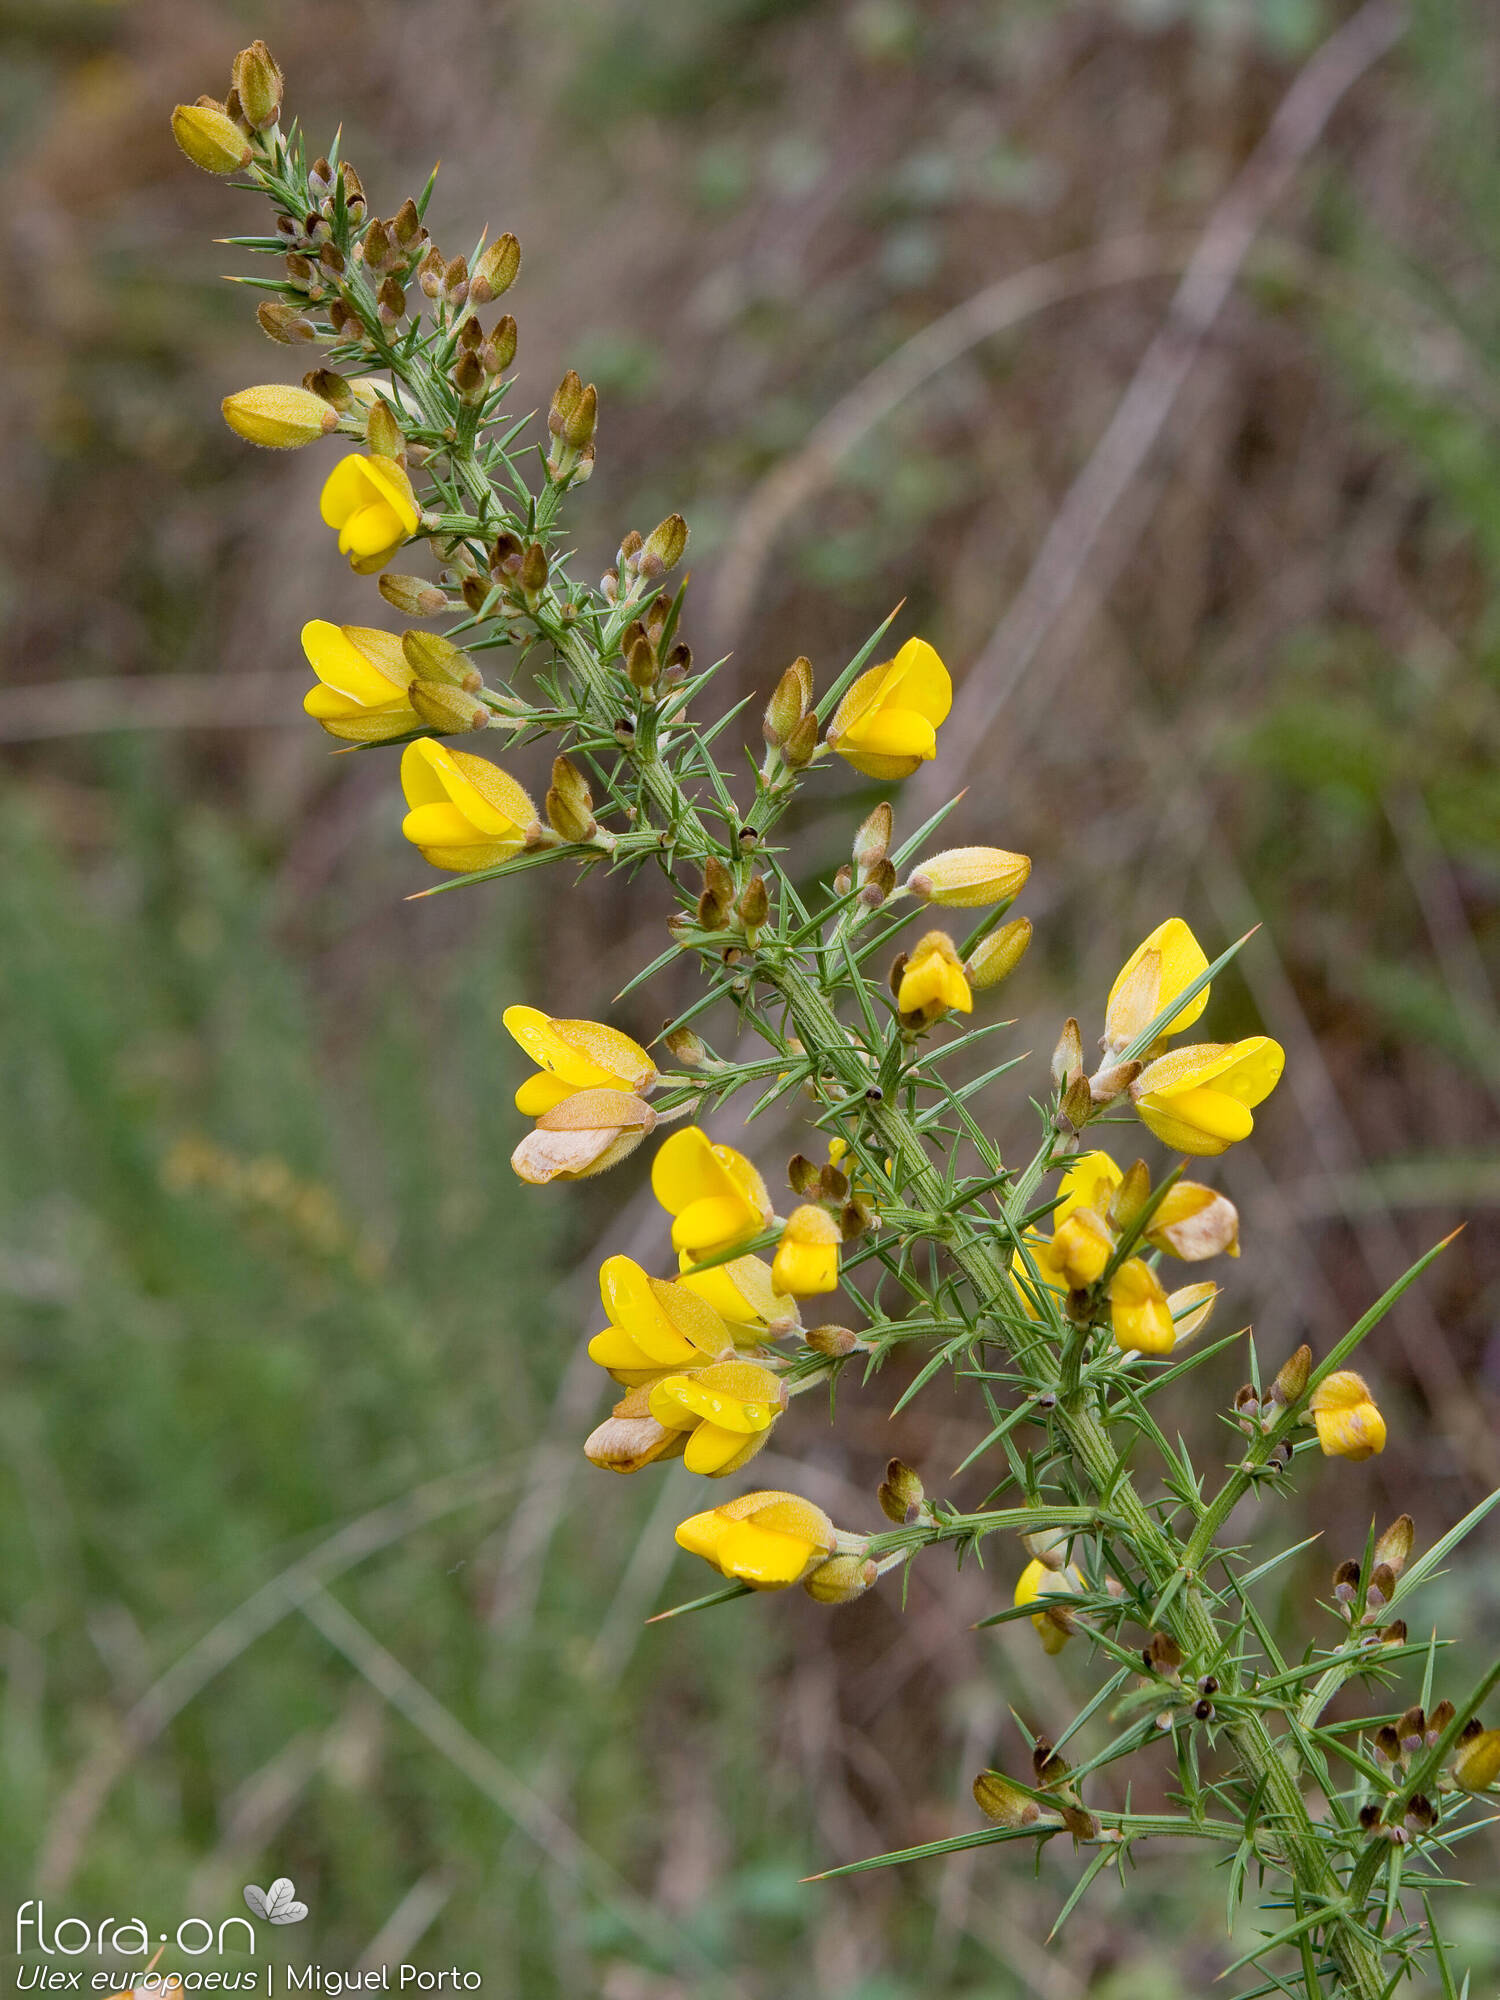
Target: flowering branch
(1054,1303)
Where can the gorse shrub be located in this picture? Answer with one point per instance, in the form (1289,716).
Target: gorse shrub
(1050,1299)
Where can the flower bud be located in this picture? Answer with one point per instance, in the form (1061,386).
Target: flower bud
(787,705)
(996,956)
(496,271)
(1131,1196)
(456,282)
(257,83)
(1163,1655)
(873,840)
(407,225)
(283,323)
(332,387)
(754,906)
(687,1048)
(1067,1057)
(1440,1717)
(433,658)
(968,877)
(383,433)
(417,598)
(998,1799)
(901,1493)
(1291,1378)
(666,544)
(278,416)
(570,803)
(797,751)
(499,351)
(210,138)
(841,1579)
(1346,1582)
(534,573)
(447,708)
(1395,1545)
(836,1342)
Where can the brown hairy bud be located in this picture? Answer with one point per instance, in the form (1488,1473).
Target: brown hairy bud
(416,597)
(430,273)
(1163,1655)
(570,803)
(1067,1057)
(872,842)
(834,1341)
(641,664)
(1346,1582)
(1080,1822)
(878,884)
(499,351)
(565,399)
(1048,1767)
(755,903)
(1387,1743)
(534,572)
(1440,1717)
(799,746)
(354,191)
(283,323)
(383,433)
(1395,1545)
(784,710)
(1394,1634)
(1412,1728)
(582,420)
(469,378)
(1106,1085)
(456,282)
(718,881)
(1131,1196)
(710,912)
(901,1494)
(391,299)
(687,1048)
(667,542)
(1291,1377)
(1382,1587)
(407,226)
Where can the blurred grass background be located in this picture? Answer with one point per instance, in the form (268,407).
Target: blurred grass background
(301,1570)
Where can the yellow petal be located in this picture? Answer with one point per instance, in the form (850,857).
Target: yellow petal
(762,1557)
(539,1093)
(1161,966)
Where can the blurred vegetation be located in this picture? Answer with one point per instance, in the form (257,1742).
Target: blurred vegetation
(264,1271)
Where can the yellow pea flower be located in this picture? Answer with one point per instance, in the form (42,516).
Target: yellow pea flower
(768,1540)
(932,980)
(363,681)
(278,416)
(744,1294)
(1161,966)
(965,878)
(1081,1247)
(584,1135)
(807,1257)
(1193,1222)
(725,1410)
(630,1437)
(714,1195)
(1347,1421)
(1190,1307)
(1477,1764)
(575,1055)
(466,812)
(656,1327)
(369,500)
(1199,1099)
(887,724)
(1139,1310)
(210,138)
(1037,1582)
(1089,1184)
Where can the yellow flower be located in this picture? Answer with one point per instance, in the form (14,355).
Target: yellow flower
(1190,1307)
(965,878)
(1161,966)
(1081,1247)
(363,676)
(1348,1423)
(1193,1222)
(1139,1311)
(466,812)
(1477,1764)
(278,416)
(726,1410)
(887,723)
(583,1135)
(656,1327)
(743,1293)
(575,1055)
(768,1540)
(1054,1625)
(932,980)
(210,138)
(807,1257)
(714,1195)
(370,501)
(1087,1187)
(1199,1099)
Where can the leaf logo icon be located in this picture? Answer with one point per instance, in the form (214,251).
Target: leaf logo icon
(278,1904)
